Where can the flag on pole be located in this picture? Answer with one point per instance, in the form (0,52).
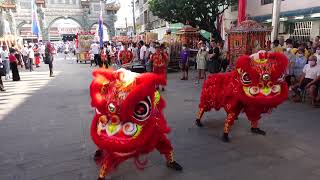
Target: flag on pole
(101,26)
(35,21)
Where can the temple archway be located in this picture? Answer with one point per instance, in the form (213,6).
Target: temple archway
(64,29)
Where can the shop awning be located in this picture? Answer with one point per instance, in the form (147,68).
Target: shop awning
(309,13)
(205,34)
(175,27)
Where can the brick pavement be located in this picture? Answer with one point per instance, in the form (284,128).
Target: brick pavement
(46,136)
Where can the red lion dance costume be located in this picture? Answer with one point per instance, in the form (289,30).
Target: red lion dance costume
(255,87)
(129,119)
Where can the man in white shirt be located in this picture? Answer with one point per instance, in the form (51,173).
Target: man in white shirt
(152,50)
(95,50)
(5,60)
(31,57)
(25,56)
(309,80)
(143,52)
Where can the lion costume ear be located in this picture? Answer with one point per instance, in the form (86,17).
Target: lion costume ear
(243,63)
(101,79)
(279,64)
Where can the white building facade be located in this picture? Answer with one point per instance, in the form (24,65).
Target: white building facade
(299,20)
(147,22)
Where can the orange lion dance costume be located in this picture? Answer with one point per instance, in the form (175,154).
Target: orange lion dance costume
(129,119)
(255,87)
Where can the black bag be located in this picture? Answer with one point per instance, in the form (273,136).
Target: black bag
(2,69)
(47,59)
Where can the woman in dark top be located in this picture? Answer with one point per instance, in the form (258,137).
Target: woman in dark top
(49,57)
(14,65)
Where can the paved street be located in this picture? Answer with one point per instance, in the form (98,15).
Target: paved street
(44,135)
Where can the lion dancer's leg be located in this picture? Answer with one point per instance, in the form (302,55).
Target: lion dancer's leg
(199,117)
(254,118)
(164,147)
(107,165)
(232,115)
(103,171)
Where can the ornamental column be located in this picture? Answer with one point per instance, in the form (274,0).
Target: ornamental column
(1,23)
(43,25)
(12,21)
(275,19)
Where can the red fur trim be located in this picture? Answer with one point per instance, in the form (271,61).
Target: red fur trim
(226,90)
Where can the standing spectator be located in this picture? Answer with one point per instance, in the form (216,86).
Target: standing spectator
(317,54)
(310,47)
(276,46)
(184,54)
(135,52)
(103,58)
(18,55)
(160,61)
(281,42)
(25,56)
(309,80)
(316,42)
(125,55)
(289,43)
(42,51)
(95,52)
(151,51)
(31,57)
(49,57)
(14,65)
(1,69)
(214,62)
(36,55)
(66,50)
(201,59)
(223,56)
(299,64)
(5,61)
(307,53)
(143,51)
(290,71)
(91,56)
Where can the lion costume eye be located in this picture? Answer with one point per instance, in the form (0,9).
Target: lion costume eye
(142,110)
(245,78)
(112,108)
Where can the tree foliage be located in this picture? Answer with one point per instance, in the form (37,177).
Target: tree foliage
(198,13)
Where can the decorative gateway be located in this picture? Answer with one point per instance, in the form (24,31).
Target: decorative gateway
(129,120)
(255,87)
(245,39)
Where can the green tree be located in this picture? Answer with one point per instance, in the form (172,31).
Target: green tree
(198,13)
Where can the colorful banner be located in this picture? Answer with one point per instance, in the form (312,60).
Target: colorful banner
(241,11)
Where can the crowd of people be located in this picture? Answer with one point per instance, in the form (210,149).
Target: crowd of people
(29,56)
(139,57)
(302,76)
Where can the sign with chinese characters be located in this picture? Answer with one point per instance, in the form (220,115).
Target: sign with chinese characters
(69,30)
